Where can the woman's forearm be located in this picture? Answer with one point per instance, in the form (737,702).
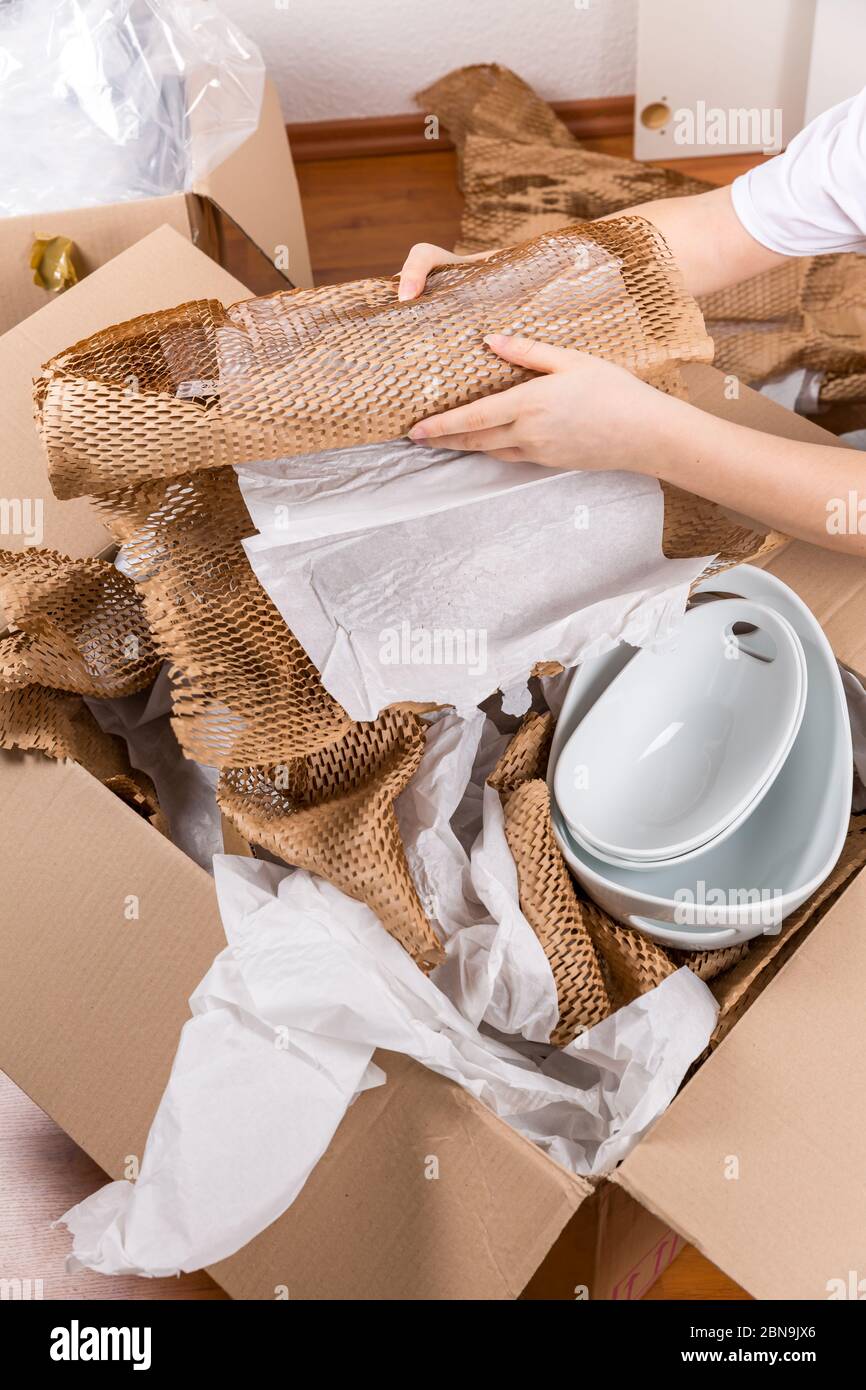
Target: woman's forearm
(809,491)
(707,239)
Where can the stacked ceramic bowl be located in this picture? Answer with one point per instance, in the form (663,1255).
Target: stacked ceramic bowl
(701,792)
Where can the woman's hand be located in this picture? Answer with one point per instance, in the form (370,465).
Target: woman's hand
(584,413)
(421,260)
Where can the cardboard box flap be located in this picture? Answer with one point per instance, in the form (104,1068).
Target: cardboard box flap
(258,188)
(99,233)
(834,587)
(92,1000)
(372,1223)
(158,272)
(711,390)
(760,1160)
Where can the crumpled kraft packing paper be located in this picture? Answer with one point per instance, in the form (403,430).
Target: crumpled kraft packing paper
(422,575)
(283,1031)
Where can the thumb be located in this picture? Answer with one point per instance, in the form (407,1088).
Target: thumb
(525,352)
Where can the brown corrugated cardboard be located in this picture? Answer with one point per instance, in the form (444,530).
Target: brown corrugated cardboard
(161,270)
(834,587)
(91,1003)
(256,187)
(613,1249)
(760,1160)
(92,998)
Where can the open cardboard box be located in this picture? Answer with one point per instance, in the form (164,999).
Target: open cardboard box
(253,194)
(91,1004)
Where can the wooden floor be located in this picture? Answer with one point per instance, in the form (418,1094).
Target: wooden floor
(362,216)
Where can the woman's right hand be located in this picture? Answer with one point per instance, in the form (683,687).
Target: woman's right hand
(421,260)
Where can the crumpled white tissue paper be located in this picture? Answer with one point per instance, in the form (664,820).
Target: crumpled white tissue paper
(495,971)
(186,789)
(797,390)
(283,1032)
(410,573)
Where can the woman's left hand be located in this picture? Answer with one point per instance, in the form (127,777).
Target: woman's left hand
(584,413)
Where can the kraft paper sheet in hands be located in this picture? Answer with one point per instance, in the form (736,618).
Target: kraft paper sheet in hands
(202,386)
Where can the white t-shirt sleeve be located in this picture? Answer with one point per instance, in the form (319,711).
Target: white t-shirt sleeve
(811,199)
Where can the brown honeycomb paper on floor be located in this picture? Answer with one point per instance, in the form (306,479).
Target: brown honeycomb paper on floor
(515,190)
(59,725)
(811,313)
(523,173)
(487,99)
(76,625)
(333,813)
(348,364)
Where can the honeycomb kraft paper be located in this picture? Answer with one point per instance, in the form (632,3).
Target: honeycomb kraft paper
(148,416)
(522,173)
(202,386)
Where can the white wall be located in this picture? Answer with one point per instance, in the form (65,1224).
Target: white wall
(334,58)
(838,54)
(739,54)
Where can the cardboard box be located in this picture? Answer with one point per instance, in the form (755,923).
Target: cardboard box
(251,197)
(91,1006)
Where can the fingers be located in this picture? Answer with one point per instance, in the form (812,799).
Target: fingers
(513,455)
(537,357)
(485,414)
(419,262)
(478,441)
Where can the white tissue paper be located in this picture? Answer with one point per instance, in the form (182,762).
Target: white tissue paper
(283,1032)
(798,390)
(410,573)
(495,971)
(186,790)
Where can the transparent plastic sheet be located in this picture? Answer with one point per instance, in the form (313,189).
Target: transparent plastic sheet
(102,103)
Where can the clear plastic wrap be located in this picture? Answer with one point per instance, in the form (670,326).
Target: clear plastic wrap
(104,102)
